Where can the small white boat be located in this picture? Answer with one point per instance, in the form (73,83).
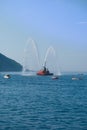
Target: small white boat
(55,77)
(7,76)
(75,78)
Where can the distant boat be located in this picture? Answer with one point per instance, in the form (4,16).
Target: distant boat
(74,78)
(7,76)
(55,77)
(44,71)
(79,77)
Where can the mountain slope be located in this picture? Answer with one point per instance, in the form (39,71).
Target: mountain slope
(7,64)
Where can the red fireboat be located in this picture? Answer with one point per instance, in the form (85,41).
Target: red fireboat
(44,71)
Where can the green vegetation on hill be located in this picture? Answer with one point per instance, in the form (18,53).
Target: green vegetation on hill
(7,64)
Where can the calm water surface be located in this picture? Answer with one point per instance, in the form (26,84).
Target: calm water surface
(40,103)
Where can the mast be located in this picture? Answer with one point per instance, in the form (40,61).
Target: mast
(44,66)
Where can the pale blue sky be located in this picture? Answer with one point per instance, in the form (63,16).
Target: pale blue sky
(61,23)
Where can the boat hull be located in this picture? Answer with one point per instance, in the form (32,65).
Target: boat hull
(42,73)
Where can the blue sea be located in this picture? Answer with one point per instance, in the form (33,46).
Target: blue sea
(41,103)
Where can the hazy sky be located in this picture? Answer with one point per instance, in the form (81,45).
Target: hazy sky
(60,23)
